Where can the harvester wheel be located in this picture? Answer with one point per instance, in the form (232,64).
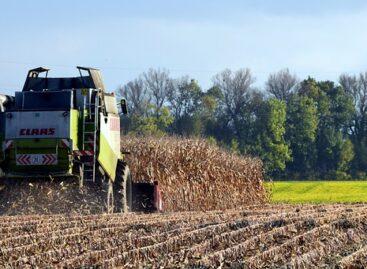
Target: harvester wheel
(123,188)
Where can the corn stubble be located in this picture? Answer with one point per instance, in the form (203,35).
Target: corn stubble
(268,236)
(195,175)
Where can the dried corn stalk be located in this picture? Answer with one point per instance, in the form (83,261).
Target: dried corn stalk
(195,175)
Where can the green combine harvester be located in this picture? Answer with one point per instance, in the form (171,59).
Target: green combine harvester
(70,127)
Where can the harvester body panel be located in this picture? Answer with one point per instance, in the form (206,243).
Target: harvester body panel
(109,148)
(40,140)
(37,124)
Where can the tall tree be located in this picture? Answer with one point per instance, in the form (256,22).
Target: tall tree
(184,99)
(356,87)
(158,84)
(282,84)
(236,88)
(301,131)
(212,115)
(136,96)
(335,110)
(184,96)
(271,146)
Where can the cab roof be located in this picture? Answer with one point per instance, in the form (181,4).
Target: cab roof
(91,79)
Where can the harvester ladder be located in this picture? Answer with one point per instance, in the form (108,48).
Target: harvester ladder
(90,129)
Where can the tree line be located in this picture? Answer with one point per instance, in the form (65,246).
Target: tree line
(301,129)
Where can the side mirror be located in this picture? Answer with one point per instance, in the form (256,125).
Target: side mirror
(123,106)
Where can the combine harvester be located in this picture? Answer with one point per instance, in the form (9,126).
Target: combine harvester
(70,128)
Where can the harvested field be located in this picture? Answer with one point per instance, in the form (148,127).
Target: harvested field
(43,196)
(269,236)
(195,175)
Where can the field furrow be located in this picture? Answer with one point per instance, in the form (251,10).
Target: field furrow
(268,236)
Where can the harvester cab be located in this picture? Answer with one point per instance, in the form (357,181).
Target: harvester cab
(70,127)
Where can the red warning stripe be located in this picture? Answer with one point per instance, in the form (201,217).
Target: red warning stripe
(65,143)
(49,159)
(7,144)
(24,159)
(83,152)
(114,124)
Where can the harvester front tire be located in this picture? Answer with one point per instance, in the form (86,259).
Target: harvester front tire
(123,188)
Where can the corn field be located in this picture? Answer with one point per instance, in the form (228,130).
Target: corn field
(216,215)
(195,175)
(272,236)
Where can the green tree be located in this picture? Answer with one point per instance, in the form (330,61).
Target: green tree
(346,155)
(271,144)
(335,111)
(301,134)
(153,122)
(356,87)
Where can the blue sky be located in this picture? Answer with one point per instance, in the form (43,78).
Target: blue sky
(198,38)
